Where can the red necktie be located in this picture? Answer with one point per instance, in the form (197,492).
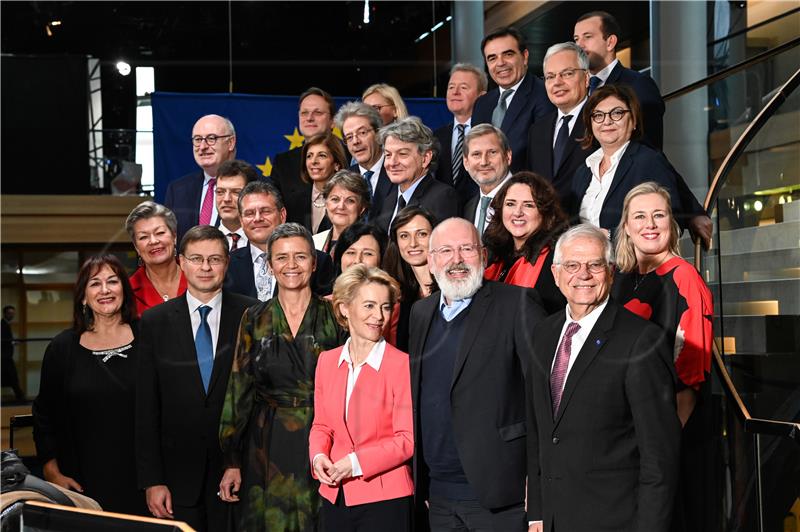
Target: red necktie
(208,203)
(234,240)
(559,373)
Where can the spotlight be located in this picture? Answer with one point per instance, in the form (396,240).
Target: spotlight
(123,68)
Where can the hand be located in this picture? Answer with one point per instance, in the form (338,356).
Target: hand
(323,468)
(230,484)
(342,469)
(159,501)
(702,227)
(53,474)
(538,526)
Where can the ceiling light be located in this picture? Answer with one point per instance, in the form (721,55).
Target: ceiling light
(123,68)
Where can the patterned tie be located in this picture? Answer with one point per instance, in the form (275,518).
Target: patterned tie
(208,203)
(263,279)
(485,201)
(561,143)
(368,180)
(594,82)
(458,153)
(502,106)
(234,241)
(204,346)
(559,372)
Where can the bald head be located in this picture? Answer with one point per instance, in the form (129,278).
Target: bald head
(440,236)
(214,142)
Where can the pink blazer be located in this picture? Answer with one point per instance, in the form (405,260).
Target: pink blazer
(379,426)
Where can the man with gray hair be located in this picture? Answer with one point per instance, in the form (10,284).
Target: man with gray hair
(359,124)
(603,429)
(554,149)
(408,153)
(467,83)
(469,348)
(487,157)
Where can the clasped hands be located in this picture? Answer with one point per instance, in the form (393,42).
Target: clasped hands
(332,473)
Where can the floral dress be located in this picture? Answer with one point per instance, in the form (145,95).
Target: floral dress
(268,414)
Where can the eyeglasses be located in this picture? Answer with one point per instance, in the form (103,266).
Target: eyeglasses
(594,266)
(361,134)
(566,74)
(378,106)
(316,113)
(468,251)
(213,260)
(616,114)
(263,211)
(197,140)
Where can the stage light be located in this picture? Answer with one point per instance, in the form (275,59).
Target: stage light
(366,11)
(123,68)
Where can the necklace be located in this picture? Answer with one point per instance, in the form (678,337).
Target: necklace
(638,279)
(110,353)
(164,293)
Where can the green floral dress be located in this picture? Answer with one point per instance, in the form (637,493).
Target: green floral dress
(269,407)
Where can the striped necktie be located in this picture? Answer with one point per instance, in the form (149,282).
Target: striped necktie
(458,153)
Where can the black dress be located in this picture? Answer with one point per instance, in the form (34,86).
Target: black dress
(83,417)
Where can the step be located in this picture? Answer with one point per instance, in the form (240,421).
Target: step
(760,334)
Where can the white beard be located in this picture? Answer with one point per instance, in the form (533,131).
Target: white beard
(462,289)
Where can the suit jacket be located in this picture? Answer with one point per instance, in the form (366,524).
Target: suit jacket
(383,188)
(487,392)
(649,98)
(441,200)
(183,198)
(465,186)
(378,428)
(540,155)
(240,278)
(298,208)
(286,178)
(177,422)
(529,104)
(613,446)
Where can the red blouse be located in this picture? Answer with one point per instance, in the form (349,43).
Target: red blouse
(145,293)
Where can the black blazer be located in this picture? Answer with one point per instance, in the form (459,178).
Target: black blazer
(487,393)
(240,278)
(183,198)
(440,199)
(383,189)
(295,193)
(177,422)
(650,100)
(615,441)
(540,155)
(465,186)
(529,104)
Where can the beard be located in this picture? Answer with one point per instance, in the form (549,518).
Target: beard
(454,290)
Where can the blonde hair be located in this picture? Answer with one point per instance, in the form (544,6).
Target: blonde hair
(391,94)
(625,251)
(356,276)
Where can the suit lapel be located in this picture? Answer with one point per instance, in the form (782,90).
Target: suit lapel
(419,192)
(426,308)
(339,390)
(226,340)
(572,145)
(182,325)
(624,165)
(477,311)
(547,154)
(518,101)
(547,353)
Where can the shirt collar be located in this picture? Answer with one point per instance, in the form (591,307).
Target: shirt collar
(603,74)
(255,253)
(574,112)
(587,322)
(492,193)
(410,190)
(195,303)
(593,160)
(453,309)
(513,87)
(206,177)
(468,123)
(374,358)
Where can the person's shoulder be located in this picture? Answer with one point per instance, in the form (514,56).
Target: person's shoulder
(288,155)
(329,357)
(444,130)
(157,312)
(683,273)
(241,253)
(394,356)
(239,300)
(66,337)
(189,179)
(629,323)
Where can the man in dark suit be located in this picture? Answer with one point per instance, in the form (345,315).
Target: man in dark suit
(232,177)
(315,115)
(520,98)
(185,356)
(603,430)
(468,388)
(9,369)
(408,151)
(261,210)
(359,124)
(487,157)
(191,197)
(467,82)
(558,135)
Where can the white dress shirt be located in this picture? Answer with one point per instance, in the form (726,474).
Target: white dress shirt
(595,196)
(489,210)
(575,113)
(454,137)
(579,338)
(406,195)
(203,193)
(255,254)
(513,94)
(242,237)
(603,74)
(212,319)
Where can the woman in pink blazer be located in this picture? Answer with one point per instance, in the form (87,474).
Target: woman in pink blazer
(362,436)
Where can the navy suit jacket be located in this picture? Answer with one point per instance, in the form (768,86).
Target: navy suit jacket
(528,104)
(432,195)
(183,198)
(650,100)
(383,189)
(464,185)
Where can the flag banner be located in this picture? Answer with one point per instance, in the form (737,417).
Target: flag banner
(265,126)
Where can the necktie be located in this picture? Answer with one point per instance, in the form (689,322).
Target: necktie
(561,142)
(368,179)
(204,346)
(263,279)
(234,240)
(208,203)
(594,82)
(559,372)
(485,200)
(502,106)
(401,202)
(458,153)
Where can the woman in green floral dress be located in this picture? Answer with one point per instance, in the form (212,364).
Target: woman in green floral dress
(269,403)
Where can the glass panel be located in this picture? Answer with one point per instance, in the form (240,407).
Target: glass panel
(10,267)
(48,306)
(43,267)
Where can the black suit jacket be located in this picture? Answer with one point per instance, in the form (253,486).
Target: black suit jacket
(464,185)
(383,189)
(183,198)
(440,199)
(649,98)
(529,104)
(540,155)
(487,392)
(296,193)
(240,278)
(609,459)
(177,422)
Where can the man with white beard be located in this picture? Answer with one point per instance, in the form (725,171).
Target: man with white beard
(470,344)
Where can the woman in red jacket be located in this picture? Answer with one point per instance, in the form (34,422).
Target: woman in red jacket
(362,436)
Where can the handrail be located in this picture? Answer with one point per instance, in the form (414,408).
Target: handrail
(754,26)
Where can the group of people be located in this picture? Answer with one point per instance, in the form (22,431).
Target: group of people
(481,327)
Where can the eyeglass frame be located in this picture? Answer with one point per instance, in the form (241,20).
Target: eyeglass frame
(465,250)
(361,134)
(199,260)
(211,139)
(608,114)
(567,73)
(592,266)
(314,113)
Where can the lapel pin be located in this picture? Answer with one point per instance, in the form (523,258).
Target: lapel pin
(598,341)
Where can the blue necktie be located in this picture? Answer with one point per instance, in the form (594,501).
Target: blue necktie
(594,82)
(562,138)
(368,180)
(204,346)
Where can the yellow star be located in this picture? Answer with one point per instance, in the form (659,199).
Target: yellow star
(295,139)
(337,132)
(266,168)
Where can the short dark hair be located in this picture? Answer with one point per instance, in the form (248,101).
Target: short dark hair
(9,307)
(260,187)
(622,93)
(351,235)
(608,24)
(83,317)
(331,142)
(316,91)
(236,167)
(200,233)
(508,31)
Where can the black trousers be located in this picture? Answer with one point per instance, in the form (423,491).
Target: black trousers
(447,515)
(393,515)
(209,513)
